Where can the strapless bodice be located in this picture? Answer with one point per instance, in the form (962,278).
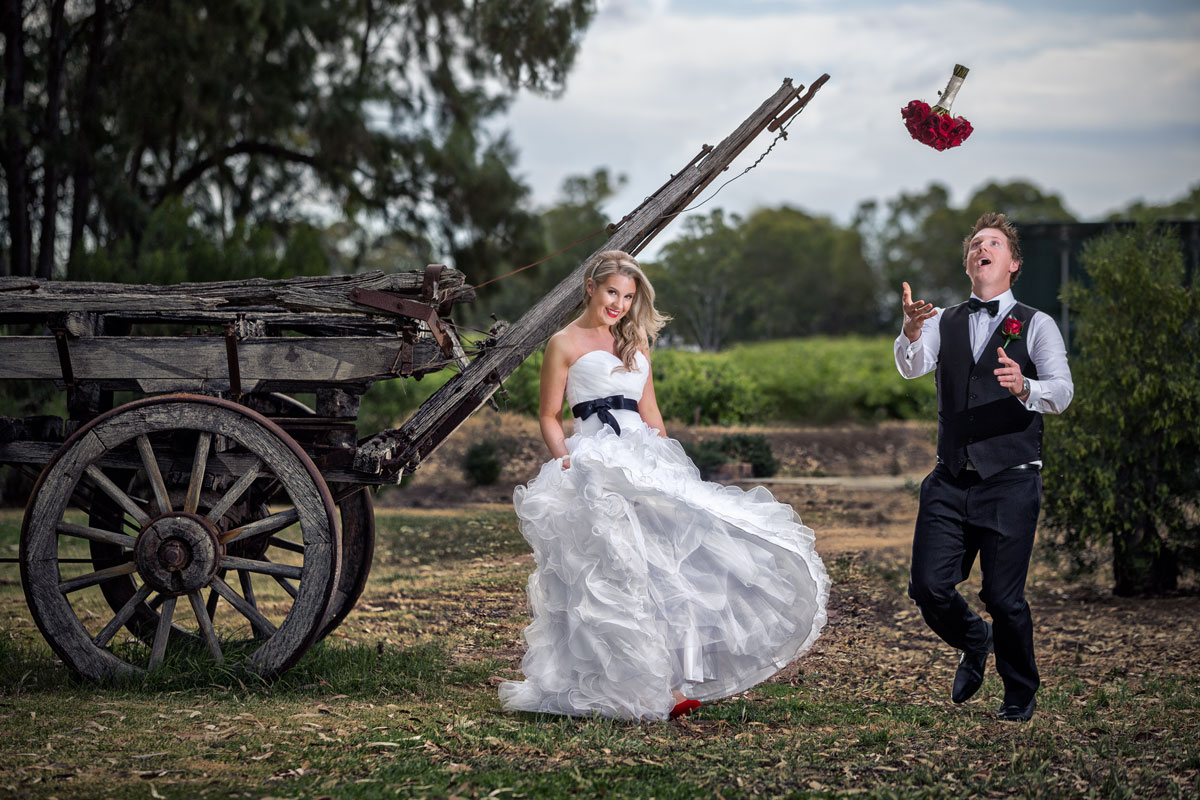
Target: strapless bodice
(598,373)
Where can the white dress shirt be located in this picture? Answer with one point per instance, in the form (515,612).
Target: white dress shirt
(1051,393)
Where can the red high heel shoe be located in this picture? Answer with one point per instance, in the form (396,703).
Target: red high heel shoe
(683,708)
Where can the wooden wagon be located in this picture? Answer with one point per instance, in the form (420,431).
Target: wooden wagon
(208,481)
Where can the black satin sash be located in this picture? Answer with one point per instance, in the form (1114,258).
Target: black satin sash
(602,407)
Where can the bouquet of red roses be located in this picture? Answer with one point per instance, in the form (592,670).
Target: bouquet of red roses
(933,125)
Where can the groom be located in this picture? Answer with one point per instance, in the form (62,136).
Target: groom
(1000,366)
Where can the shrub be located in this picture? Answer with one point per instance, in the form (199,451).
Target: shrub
(719,386)
(707,456)
(522,388)
(1121,464)
(752,448)
(481,463)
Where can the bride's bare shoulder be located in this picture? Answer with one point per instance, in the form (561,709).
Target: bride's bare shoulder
(563,346)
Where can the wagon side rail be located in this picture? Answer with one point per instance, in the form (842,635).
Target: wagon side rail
(401,450)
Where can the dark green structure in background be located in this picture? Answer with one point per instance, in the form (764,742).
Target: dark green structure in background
(1052,250)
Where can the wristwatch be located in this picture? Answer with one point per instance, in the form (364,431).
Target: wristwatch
(1024,389)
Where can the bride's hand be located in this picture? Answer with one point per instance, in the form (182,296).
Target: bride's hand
(566,462)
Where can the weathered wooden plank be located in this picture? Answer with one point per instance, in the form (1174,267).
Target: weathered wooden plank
(322,293)
(443,412)
(13,429)
(176,363)
(175,466)
(285,320)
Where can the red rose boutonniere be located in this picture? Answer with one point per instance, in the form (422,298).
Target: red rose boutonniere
(1011,328)
(934,126)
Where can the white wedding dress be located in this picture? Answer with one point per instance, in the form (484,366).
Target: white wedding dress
(649,579)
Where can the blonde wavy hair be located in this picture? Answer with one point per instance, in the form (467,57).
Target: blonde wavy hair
(639,328)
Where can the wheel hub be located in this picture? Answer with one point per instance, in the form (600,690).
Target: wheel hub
(178,553)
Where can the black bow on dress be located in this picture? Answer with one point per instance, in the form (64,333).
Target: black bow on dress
(602,407)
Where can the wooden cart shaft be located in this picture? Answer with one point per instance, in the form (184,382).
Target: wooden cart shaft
(402,450)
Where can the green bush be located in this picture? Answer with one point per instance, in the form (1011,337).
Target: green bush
(753,448)
(812,381)
(707,456)
(1122,463)
(481,463)
(715,385)
(821,380)
(521,389)
(710,454)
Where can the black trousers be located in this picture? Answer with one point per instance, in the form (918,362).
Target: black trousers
(961,518)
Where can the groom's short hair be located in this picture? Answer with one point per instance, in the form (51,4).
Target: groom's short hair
(1001,223)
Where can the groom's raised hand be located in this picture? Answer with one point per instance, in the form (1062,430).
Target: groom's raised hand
(915,313)
(1009,375)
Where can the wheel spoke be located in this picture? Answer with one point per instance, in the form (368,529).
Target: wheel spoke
(272,524)
(211,607)
(163,632)
(284,544)
(206,626)
(287,585)
(114,624)
(239,487)
(247,587)
(260,623)
(199,463)
(96,534)
(100,575)
(265,567)
(161,500)
(119,497)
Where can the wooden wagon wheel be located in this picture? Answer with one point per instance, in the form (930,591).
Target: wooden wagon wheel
(357,512)
(167,550)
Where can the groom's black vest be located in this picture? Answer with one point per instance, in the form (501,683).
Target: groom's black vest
(978,419)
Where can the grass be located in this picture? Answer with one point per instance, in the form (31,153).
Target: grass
(400,702)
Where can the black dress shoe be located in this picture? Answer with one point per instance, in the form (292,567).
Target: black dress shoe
(1011,712)
(969,676)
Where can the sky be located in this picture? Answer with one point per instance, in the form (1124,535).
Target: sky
(1097,101)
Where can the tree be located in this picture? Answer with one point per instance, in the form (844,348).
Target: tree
(1185,208)
(698,277)
(578,214)
(779,272)
(1123,464)
(270,114)
(919,238)
(803,275)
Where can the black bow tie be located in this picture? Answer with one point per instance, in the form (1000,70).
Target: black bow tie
(992,306)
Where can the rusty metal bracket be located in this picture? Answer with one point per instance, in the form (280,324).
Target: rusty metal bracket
(386,301)
(429,285)
(231,358)
(431,292)
(402,365)
(64,356)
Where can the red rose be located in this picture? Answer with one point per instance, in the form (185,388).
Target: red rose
(937,130)
(1011,328)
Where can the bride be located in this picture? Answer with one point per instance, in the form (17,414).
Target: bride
(654,590)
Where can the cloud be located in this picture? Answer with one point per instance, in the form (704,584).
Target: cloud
(1068,100)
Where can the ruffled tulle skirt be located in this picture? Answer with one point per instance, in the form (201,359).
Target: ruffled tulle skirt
(649,579)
